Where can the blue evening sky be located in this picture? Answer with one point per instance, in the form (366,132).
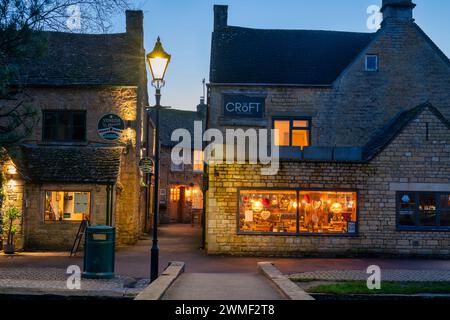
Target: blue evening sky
(185,28)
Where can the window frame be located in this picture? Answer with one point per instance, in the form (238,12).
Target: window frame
(292,128)
(202,162)
(68,190)
(418,227)
(71,112)
(298,233)
(366,67)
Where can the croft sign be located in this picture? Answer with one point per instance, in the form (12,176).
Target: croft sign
(243,106)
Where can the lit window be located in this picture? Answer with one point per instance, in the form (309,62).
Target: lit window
(195,196)
(297,212)
(67,206)
(371,63)
(423,211)
(198,161)
(327,212)
(292,133)
(175,194)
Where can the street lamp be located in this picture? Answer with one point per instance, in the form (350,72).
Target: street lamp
(158,60)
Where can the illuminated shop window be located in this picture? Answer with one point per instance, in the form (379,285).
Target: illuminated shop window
(423,210)
(327,212)
(195,196)
(268,211)
(283,212)
(292,133)
(198,161)
(67,206)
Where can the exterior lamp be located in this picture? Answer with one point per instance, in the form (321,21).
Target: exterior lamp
(158,61)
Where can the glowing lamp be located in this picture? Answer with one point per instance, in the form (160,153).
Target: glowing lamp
(158,60)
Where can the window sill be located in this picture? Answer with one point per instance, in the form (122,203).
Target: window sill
(71,144)
(63,222)
(299,235)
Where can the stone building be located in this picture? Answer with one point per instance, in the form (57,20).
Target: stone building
(364,140)
(181,185)
(81,159)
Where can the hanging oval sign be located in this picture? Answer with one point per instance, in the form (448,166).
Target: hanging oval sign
(110,127)
(146,165)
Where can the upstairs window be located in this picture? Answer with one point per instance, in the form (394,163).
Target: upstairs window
(198,161)
(293,133)
(64,126)
(371,63)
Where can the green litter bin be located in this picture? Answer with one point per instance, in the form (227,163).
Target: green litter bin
(99,252)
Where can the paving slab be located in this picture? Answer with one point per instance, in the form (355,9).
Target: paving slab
(222,286)
(386,275)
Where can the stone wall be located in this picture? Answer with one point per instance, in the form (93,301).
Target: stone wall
(97,101)
(358,103)
(411,159)
(57,235)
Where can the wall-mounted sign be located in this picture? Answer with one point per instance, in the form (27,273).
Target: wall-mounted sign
(146,165)
(110,127)
(243,106)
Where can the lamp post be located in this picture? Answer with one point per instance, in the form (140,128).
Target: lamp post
(158,61)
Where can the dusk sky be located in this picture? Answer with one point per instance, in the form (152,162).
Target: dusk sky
(185,28)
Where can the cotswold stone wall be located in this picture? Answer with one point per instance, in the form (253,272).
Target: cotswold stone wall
(410,161)
(57,235)
(358,103)
(127,216)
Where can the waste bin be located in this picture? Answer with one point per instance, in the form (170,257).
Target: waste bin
(99,252)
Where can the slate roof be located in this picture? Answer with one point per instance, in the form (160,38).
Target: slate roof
(82,59)
(389,132)
(172,119)
(296,57)
(99,165)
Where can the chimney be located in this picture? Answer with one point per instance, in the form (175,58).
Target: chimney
(135,23)
(220,17)
(202,107)
(398,9)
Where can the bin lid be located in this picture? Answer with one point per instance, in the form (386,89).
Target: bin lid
(100,228)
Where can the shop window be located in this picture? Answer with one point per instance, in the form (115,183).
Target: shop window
(327,212)
(297,212)
(292,133)
(64,126)
(198,161)
(268,211)
(67,206)
(195,196)
(175,194)
(423,211)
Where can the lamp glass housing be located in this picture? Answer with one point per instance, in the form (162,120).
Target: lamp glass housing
(158,60)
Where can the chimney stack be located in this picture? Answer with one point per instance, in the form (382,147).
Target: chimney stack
(135,23)
(398,9)
(220,17)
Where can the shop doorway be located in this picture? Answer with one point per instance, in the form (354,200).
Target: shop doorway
(185,204)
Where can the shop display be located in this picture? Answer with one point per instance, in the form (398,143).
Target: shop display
(317,212)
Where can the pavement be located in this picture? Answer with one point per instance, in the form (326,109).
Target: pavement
(386,275)
(182,243)
(222,286)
